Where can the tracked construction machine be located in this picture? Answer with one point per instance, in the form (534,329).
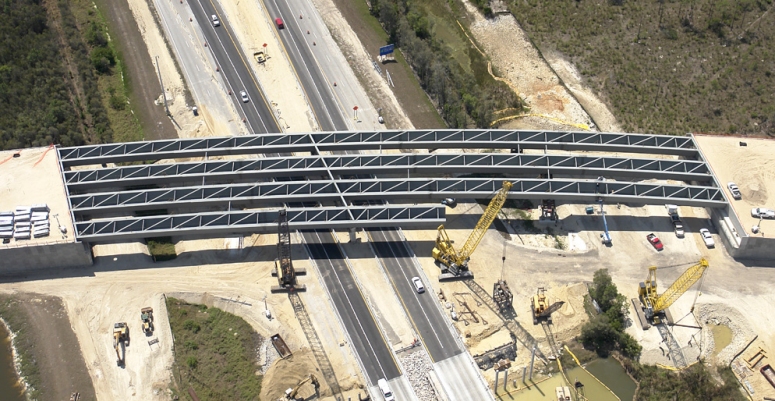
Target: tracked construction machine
(454,263)
(120,340)
(146,315)
(541,308)
(284,271)
(653,304)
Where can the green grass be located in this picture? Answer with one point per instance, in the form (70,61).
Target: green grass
(667,67)
(114,86)
(18,324)
(215,353)
(161,249)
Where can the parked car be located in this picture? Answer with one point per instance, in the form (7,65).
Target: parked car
(734,190)
(418,284)
(655,242)
(707,238)
(244,96)
(216,22)
(762,212)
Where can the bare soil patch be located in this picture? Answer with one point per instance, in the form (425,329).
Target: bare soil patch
(43,329)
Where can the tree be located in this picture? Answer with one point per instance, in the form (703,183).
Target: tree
(599,335)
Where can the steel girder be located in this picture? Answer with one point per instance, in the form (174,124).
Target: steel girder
(220,224)
(415,190)
(514,165)
(417,139)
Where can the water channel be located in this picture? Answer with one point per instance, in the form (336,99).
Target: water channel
(10,388)
(608,371)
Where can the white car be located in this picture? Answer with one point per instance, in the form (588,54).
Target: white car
(707,238)
(244,96)
(418,284)
(216,22)
(762,212)
(734,190)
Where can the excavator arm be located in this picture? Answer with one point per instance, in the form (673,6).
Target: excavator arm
(551,309)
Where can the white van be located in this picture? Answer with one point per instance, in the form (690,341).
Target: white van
(385,389)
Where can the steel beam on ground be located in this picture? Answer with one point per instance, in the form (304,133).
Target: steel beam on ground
(512,165)
(417,139)
(221,224)
(416,190)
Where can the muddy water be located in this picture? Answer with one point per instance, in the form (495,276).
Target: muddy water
(612,374)
(10,388)
(722,336)
(545,390)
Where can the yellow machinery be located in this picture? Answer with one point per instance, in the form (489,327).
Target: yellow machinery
(120,340)
(456,262)
(291,392)
(146,315)
(541,308)
(653,303)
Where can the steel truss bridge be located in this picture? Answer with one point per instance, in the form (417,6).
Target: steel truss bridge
(237,184)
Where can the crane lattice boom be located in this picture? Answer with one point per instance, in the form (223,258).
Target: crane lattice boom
(445,253)
(681,285)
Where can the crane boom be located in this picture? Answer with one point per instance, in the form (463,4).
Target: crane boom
(456,260)
(681,285)
(654,303)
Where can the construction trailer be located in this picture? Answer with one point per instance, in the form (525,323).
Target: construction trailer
(653,305)
(454,262)
(540,307)
(284,270)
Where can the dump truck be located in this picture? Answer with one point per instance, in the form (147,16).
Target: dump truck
(146,315)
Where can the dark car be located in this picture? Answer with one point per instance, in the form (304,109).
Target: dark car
(654,240)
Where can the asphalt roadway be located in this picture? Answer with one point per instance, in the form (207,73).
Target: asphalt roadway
(316,87)
(366,337)
(233,65)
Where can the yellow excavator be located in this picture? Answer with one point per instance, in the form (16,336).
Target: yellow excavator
(120,340)
(653,304)
(541,308)
(455,262)
(291,393)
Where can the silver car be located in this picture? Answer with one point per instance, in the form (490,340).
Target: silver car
(244,96)
(707,238)
(734,190)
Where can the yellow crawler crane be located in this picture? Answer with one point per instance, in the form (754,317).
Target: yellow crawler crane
(653,303)
(456,262)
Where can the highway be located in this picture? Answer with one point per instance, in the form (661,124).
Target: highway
(316,87)
(422,309)
(233,65)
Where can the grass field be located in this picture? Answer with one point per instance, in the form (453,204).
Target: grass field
(667,66)
(215,353)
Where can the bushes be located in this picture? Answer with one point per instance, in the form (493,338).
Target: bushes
(161,249)
(605,332)
(694,383)
(465,94)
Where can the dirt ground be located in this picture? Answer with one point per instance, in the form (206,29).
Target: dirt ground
(751,168)
(253,29)
(57,352)
(142,73)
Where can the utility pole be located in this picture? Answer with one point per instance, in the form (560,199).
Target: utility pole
(163,93)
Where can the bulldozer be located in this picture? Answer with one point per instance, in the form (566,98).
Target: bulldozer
(291,393)
(146,315)
(454,263)
(120,340)
(541,308)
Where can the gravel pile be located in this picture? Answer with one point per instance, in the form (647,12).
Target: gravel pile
(416,366)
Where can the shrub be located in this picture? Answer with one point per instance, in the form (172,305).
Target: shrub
(191,362)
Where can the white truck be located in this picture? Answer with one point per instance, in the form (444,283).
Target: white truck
(678,225)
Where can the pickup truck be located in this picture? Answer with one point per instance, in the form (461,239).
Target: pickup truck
(678,225)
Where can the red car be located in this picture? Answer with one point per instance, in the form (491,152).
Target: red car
(279,22)
(654,240)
